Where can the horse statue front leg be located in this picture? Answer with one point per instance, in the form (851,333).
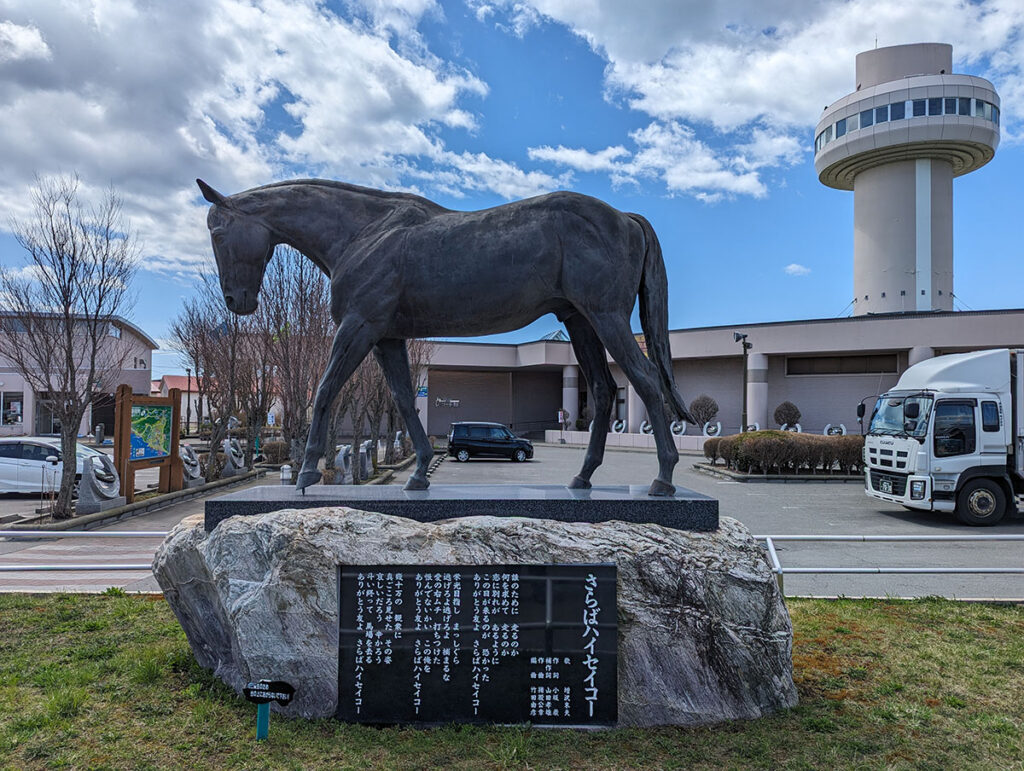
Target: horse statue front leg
(352,342)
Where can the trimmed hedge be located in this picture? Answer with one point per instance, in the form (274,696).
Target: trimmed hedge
(784,452)
(275,452)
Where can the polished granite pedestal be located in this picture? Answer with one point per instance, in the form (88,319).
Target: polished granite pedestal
(686,510)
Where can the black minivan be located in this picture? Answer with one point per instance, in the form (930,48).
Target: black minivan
(467,440)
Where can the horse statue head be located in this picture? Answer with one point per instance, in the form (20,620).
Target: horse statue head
(242,245)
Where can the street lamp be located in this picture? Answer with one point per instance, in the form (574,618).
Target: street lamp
(739,337)
(188,400)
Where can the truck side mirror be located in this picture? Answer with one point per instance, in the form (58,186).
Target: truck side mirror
(860,410)
(911,411)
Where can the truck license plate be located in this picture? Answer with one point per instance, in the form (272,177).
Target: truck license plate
(885,486)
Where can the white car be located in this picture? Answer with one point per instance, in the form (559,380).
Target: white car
(24,468)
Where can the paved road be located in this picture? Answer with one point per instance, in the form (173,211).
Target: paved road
(801,509)
(775,509)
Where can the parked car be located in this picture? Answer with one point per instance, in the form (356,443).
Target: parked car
(467,440)
(24,467)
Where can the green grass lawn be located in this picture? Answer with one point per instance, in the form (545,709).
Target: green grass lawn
(108,682)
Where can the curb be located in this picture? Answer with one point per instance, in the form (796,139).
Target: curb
(402,465)
(734,476)
(648,450)
(89,521)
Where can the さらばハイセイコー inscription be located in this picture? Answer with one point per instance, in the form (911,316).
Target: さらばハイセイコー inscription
(478,644)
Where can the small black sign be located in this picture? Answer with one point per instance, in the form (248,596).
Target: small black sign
(266,691)
(430,644)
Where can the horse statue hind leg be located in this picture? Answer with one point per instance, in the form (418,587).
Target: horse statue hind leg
(393,356)
(591,357)
(618,338)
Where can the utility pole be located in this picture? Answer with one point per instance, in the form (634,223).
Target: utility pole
(739,337)
(188,400)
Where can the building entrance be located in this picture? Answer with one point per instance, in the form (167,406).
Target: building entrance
(47,424)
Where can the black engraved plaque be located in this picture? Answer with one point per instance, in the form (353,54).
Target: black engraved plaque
(429,644)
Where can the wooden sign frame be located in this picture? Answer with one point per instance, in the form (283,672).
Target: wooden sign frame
(171,468)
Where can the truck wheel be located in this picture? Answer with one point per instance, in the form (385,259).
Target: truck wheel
(462,455)
(981,502)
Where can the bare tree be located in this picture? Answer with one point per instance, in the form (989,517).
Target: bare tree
(59,310)
(212,337)
(376,401)
(254,376)
(421,352)
(187,334)
(377,404)
(296,297)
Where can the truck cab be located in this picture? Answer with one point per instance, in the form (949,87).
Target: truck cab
(949,437)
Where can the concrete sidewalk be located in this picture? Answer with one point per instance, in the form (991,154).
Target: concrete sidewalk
(99,550)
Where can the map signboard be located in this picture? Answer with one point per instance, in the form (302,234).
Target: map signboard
(151,431)
(146,436)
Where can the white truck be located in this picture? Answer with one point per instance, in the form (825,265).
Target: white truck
(950,437)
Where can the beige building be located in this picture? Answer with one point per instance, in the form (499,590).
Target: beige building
(25,412)
(826,367)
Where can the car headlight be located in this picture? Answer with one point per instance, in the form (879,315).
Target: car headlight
(917,487)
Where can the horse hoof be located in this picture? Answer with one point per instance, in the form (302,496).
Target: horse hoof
(307,478)
(415,483)
(661,488)
(578,483)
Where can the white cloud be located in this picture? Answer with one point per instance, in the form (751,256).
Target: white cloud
(733,61)
(147,97)
(21,42)
(578,158)
(796,269)
(752,76)
(672,153)
(480,173)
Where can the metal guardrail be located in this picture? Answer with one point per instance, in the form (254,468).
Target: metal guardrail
(780,571)
(34,534)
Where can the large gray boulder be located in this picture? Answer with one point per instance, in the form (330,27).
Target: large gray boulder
(704,635)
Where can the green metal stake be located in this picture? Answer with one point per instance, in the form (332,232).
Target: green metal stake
(262,721)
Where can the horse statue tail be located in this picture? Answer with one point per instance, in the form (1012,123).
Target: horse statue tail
(654,316)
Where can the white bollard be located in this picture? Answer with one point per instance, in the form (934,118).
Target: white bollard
(286,475)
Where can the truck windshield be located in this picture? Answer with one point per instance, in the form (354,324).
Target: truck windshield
(890,418)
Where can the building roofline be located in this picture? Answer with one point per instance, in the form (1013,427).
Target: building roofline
(766,324)
(853,319)
(470,341)
(120,320)
(124,322)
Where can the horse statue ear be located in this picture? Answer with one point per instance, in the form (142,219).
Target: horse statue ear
(211,195)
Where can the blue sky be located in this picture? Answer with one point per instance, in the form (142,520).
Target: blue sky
(699,116)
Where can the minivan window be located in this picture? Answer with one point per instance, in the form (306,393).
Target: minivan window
(479,432)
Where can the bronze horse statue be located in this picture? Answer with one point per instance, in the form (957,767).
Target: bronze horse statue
(403,267)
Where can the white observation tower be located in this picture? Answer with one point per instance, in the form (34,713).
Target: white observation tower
(897,141)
